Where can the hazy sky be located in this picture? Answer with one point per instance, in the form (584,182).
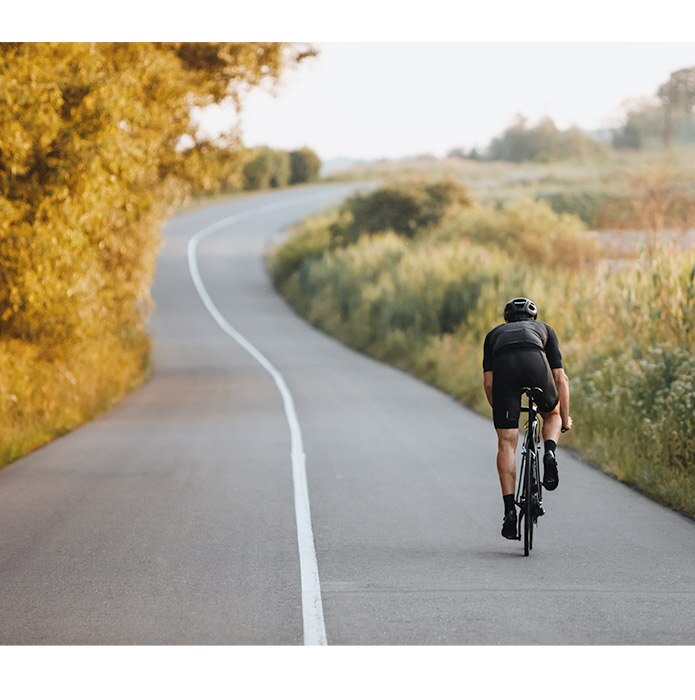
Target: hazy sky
(390,100)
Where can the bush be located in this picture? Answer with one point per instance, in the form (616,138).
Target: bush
(305,243)
(636,413)
(587,205)
(267,168)
(403,208)
(425,302)
(305,166)
(44,395)
(529,231)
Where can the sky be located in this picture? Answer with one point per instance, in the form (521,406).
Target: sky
(368,101)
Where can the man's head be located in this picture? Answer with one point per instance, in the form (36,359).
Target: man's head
(520,309)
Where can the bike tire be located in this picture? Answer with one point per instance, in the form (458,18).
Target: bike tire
(528,506)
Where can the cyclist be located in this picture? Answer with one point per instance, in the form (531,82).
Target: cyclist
(521,352)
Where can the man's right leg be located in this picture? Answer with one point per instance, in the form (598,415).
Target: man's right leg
(507,439)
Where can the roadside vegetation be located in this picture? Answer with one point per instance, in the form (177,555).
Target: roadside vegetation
(604,176)
(97,146)
(421,291)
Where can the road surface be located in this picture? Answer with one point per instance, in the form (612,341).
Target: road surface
(172,519)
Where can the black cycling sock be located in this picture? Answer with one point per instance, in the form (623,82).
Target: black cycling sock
(550,445)
(509,502)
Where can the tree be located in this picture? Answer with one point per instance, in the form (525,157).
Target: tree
(405,209)
(542,142)
(627,137)
(677,94)
(91,160)
(514,144)
(279,168)
(458,152)
(305,166)
(267,168)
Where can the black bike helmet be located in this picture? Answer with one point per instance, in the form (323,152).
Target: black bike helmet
(520,309)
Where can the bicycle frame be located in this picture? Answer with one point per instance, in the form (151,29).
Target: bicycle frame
(529,491)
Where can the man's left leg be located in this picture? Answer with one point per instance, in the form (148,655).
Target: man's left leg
(506,469)
(552,425)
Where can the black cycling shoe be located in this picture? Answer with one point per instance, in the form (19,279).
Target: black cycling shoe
(509,525)
(551,478)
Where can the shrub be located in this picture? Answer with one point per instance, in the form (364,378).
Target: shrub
(267,168)
(305,166)
(402,208)
(425,302)
(588,205)
(306,242)
(540,235)
(529,231)
(636,413)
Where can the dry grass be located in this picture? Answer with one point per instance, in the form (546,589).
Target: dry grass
(44,397)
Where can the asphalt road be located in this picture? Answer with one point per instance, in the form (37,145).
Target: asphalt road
(171,519)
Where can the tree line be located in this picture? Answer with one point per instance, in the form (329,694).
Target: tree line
(664,120)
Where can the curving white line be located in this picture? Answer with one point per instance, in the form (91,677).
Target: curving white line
(312,606)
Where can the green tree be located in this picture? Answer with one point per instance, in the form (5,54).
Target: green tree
(305,166)
(458,152)
(267,168)
(544,141)
(677,96)
(628,136)
(279,168)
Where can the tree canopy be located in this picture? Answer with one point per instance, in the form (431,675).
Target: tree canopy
(96,142)
(544,141)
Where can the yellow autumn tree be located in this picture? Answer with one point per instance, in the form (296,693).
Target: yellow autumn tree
(96,144)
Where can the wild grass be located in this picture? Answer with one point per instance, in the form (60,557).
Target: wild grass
(425,304)
(598,189)
(43,397)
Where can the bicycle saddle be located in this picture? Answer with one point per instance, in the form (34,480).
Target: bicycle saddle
(534,393)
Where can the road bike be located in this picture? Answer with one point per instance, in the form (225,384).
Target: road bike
(529,492)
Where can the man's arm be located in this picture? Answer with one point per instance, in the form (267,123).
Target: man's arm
(563,389)
(487,383)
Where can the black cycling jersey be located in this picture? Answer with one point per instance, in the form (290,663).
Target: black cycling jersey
(521,335)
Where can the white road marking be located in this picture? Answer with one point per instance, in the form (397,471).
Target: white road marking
(312,606)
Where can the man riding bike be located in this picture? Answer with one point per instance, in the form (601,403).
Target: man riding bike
(522,352)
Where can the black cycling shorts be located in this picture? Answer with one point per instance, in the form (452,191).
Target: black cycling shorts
(511,372)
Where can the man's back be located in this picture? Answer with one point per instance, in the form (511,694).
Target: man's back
(522,334)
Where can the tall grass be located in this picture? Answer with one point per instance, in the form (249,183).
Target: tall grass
(425,304)
(42,396)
